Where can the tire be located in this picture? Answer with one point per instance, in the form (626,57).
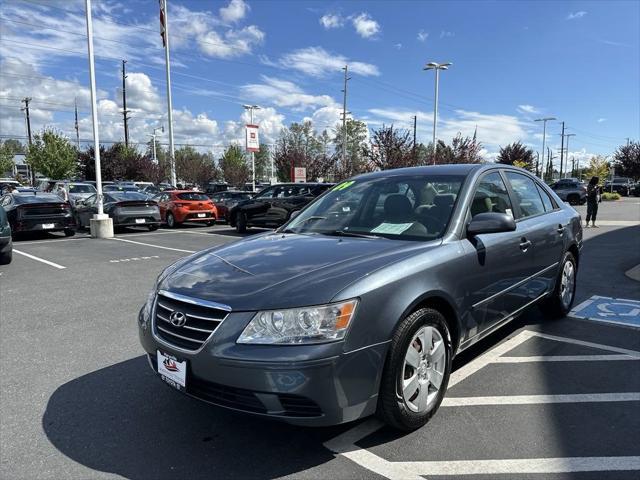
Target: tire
(171,220)
(5,258)
(573,199)
(211,223)
(241,222)
(69,232)
(395,403)
(153,228)
(559,304)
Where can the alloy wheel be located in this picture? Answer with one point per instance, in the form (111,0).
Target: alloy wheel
(423,369)
(567,284)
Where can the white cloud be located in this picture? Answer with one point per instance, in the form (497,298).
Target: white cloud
(398,46)
(332,20)
(422,36)
(317,62)
(233,43)
(576,15)
(366,26)
(601,120)
(445,33)
(527,109)
(283,93)
(235,11)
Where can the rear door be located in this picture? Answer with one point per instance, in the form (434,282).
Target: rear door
(497,262)
(543,224)
(286,200)
(85,210)
(257,209)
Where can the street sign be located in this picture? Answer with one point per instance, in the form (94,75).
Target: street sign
(299,175)
(252,140)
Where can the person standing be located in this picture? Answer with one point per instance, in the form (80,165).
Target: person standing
(593,191)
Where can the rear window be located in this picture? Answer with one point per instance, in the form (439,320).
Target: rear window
(126,196)
(81,189)
(31,198)
(192,196)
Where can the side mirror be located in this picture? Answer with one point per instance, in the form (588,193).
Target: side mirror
(491,222)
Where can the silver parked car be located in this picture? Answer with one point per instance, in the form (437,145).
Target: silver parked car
(359,303)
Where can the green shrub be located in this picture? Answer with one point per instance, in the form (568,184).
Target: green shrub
(610,196)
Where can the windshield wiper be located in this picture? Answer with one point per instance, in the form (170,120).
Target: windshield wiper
(346,233)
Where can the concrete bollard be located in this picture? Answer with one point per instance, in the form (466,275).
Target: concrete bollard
(101,226)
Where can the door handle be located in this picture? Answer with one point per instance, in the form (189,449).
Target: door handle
(560,229)
(524,244)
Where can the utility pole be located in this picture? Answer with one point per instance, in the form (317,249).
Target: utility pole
(562,150)
(415,124)
(344,116)
(26,101)
(76,126)
(164,32)
(437,67)
(124,105)
(544,137)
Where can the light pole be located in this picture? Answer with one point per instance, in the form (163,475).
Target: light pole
(251,108)
(437,67)
(569,135)
(153,136)
(544,137)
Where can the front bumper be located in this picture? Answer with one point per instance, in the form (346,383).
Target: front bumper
(313,385)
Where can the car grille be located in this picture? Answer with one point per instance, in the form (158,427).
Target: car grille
(201,322)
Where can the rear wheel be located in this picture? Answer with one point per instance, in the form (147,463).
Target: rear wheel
(211,223)
(561,300)
(241,222)
(153,228)
(171,220)
(573,199)
(417,370)
(69,232)
(6,257)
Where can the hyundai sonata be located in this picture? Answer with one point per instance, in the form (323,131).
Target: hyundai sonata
(358,304)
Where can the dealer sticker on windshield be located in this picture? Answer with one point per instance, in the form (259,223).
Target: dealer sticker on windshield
(392,228)
(172,371)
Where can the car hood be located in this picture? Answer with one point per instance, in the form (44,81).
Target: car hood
(284,270)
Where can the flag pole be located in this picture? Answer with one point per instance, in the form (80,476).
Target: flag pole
(164,26)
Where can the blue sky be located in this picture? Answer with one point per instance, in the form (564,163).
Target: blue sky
(512,62)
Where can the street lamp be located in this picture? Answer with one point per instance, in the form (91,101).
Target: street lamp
(251,108)
(153,135)
(544,137)
(437,67)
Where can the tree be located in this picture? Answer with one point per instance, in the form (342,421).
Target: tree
(262,160)
(299,146)
(598,167)
(162,169)
(390,149)
(194,167)
(516,154)
(461,150)
(234,166)
(357,135)
(626,160)
(52,155)
(7,152)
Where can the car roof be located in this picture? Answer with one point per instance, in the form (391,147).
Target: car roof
(183,191)
(453,169)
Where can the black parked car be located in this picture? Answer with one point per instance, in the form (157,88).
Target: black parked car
(126,208)
(6,246)
(38,211)
(228,199)
(274,205)
(622,185)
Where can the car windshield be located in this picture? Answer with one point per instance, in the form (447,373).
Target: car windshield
(81,188)
(127,196)
(192,196)
(412,207)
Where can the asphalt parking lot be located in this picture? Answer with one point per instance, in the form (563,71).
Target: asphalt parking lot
(538,399)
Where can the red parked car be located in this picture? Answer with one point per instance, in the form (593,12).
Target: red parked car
(179,206)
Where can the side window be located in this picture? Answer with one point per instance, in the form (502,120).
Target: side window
(546,200)
(526,193)
(268,193)
(491,196)
(89,202)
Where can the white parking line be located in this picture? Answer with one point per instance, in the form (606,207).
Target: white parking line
(33,257)
(523,466)
(345,444)
(155,246)
(540,399)
(565,358)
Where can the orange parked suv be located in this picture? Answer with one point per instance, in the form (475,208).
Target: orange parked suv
(179,206)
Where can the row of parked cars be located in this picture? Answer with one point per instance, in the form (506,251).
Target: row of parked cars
(574,191)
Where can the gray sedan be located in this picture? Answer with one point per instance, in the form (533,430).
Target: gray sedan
(127,209)
(360,302)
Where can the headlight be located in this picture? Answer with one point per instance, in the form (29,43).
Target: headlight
(324,323)
(145,313)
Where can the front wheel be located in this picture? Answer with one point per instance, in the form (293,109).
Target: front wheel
(6,257)
(241,222)
(417,370)
(559,304)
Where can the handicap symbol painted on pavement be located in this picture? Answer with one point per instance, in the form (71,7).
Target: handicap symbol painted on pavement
(611,310)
